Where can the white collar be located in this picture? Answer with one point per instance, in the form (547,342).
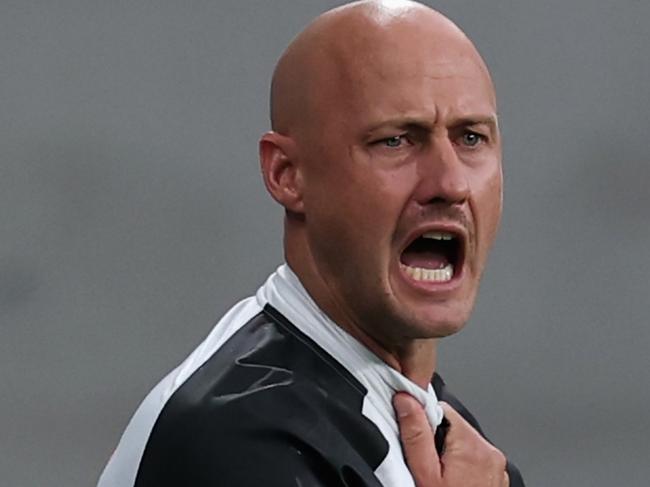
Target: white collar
(285,293)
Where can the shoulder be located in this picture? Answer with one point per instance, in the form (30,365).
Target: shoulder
(269,403)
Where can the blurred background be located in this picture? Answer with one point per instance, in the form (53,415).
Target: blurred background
(132,215)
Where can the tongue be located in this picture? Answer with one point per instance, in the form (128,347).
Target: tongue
(426,259)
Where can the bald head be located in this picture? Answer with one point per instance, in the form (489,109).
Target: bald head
(384,124)
(335,52)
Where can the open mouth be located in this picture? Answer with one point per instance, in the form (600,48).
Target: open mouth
(433,257)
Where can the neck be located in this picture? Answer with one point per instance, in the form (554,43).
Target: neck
(415,359)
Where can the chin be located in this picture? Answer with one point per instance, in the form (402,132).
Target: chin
(442,330)
(437,323)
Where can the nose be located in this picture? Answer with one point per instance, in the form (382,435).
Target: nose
(443,176)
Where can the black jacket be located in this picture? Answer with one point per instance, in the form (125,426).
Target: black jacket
(271,408)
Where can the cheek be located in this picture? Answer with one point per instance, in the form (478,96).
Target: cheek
(340,218)
(497,190)
(354,198)
(489,201)
(376,196)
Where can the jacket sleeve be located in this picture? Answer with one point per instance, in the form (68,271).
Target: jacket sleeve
(516,479)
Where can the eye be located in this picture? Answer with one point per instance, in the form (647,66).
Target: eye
(394,142)
(472,139)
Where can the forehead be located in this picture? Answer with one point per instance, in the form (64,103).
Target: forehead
(412,71)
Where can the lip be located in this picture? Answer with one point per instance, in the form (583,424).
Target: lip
(459,232)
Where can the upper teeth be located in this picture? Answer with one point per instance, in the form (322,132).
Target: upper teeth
(438,235)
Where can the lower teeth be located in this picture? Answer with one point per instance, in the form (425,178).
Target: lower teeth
(430,275)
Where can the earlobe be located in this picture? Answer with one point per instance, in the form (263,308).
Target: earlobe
(280,171)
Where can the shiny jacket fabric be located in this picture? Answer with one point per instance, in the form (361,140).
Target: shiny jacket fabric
(270,408)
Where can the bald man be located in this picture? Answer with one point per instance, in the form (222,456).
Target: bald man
(385,154)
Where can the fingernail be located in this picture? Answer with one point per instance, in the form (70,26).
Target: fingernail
(403,406)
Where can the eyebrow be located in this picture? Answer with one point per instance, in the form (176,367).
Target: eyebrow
(426,123)
(491,121)
(477,120)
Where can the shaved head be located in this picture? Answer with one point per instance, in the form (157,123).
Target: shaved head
(384,128)
(325,61)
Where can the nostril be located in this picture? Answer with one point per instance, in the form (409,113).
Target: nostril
(438,200)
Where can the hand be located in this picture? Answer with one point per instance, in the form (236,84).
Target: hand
(468,460)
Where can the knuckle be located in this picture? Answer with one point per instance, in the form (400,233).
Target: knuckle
(494,458)
(413,435)
(489,456)
(500,460)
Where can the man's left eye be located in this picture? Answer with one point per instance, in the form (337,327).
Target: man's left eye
(472,139)
(395,141)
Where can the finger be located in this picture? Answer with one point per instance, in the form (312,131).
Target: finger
(417,440)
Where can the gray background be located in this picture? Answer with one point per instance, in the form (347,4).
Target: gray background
(132,215)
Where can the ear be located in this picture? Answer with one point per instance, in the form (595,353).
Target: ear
(280,171)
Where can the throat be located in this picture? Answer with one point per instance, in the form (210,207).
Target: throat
(417,361)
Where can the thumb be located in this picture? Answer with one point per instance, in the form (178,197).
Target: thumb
(417,440)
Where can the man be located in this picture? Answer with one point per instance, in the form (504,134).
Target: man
(386,156)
